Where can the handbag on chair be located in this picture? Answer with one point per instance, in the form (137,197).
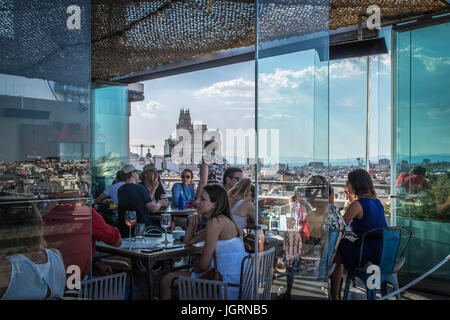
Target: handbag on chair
(212,274)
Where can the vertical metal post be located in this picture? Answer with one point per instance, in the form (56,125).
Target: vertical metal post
(128,131)
(255,262)
(393,215)
(368,115)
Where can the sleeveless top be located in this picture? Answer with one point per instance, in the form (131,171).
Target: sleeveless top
(240,221)
(373,217)
(30,280)
(229,254)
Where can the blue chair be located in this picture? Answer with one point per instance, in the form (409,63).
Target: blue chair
(334,237)
(393,242)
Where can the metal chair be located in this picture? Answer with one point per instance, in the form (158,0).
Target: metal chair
(334,236)
(391,261)
(247,284)
(110,287)
(200,289)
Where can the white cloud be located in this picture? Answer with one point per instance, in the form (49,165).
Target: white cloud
(431,63)
(276,116)
(437,113)
(286,78)
(283,86)
(346,103)
(147,109)
(347,69)
(236,88)
(149,115)
(249,116)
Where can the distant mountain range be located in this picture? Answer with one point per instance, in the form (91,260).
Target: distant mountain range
(300,161)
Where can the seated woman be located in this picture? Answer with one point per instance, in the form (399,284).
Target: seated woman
(186,187)
(27,269)
(362,215)
(241,202)
(221,235)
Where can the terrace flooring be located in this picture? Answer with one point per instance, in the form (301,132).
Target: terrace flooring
(306,288)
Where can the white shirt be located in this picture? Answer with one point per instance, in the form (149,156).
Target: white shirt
(30,280)
(112,190)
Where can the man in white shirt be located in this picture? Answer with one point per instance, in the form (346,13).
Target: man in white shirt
(110,193)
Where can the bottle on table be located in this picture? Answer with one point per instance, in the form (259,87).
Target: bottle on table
(180,201)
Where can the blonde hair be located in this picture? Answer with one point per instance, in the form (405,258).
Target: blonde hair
(242,188)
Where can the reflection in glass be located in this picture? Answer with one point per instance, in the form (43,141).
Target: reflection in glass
(45,121)
(421,140)
(292,127)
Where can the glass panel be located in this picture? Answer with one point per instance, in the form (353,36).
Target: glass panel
(423,140)
(292,129)
(348,113)
(380,122)
(44,125)
(109,133)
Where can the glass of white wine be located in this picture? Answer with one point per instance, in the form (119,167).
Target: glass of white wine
(166,222)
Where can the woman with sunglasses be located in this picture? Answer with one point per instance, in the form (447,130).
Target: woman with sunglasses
(186,187)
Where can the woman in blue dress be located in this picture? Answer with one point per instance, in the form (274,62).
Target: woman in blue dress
(362,215)
(185,187)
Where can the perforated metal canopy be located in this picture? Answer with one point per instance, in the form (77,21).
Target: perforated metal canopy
(130,35)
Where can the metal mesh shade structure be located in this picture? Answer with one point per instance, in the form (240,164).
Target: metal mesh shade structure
(345,13)
(132,35)
(35,41)
(125,36)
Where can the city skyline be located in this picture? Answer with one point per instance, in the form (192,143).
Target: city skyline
(230,90)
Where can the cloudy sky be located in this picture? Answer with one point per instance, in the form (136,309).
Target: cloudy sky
(289,88)
(293,93)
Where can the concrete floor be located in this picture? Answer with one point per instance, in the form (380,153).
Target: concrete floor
(305,288)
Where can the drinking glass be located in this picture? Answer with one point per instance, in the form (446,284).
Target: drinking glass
(164,196)
(140,230)
(166,221)
(130,220)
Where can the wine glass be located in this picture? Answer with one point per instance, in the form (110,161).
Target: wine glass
(139,231)
(130,220)
(166,221)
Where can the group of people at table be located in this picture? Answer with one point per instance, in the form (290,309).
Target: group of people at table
(227,207)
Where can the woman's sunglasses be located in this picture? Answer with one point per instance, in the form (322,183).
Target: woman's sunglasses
(184,176)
